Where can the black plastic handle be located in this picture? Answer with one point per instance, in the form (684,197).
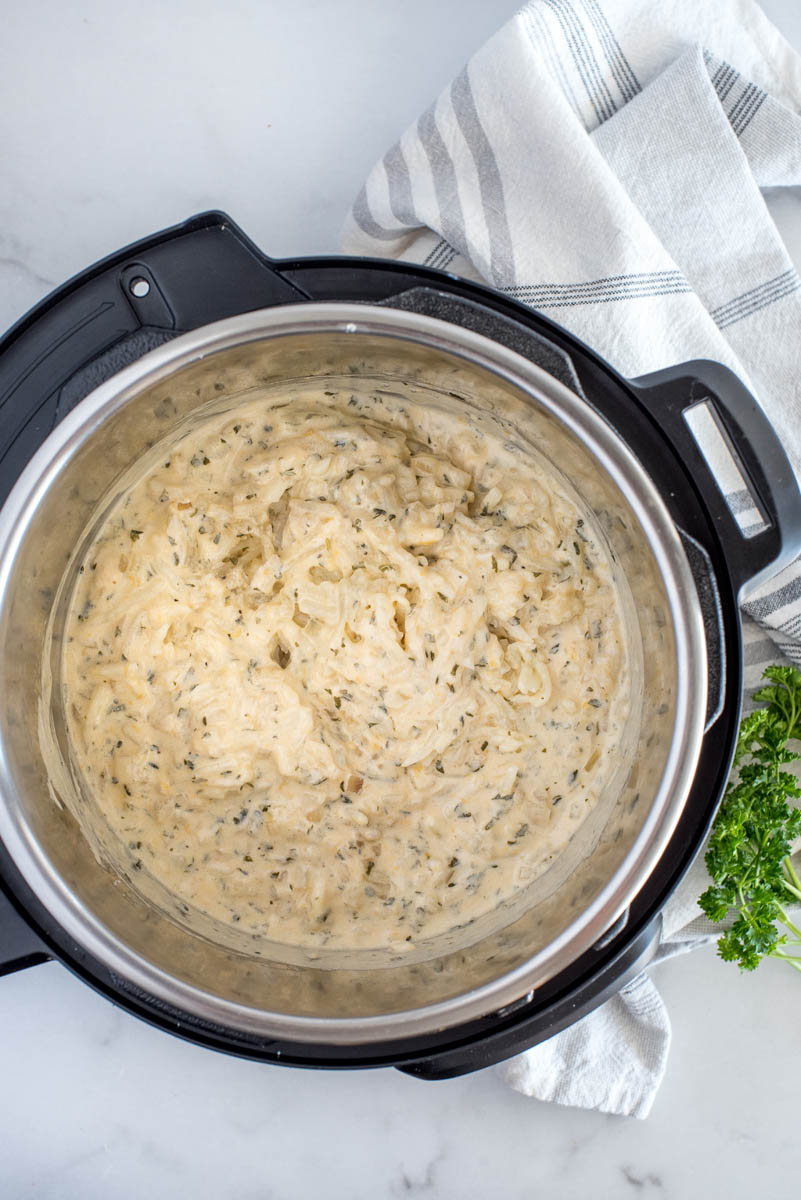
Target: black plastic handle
(20,947)
(755,445)
(117,310)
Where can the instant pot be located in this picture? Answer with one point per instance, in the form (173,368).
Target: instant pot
(105,367)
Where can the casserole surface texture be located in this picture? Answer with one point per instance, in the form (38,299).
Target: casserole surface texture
(344,669)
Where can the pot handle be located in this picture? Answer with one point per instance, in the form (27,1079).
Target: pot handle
(19,945)
(752,443)
(118,310)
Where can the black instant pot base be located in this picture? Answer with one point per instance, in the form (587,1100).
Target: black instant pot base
(208,269)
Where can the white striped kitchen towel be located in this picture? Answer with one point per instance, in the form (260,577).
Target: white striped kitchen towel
(604,161)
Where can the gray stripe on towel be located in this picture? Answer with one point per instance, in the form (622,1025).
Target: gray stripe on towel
(541,35)
(363,216)
(400,187)
(583,61)
(502,270)
(618,63)
(451,225)
(756,299)
(763,606)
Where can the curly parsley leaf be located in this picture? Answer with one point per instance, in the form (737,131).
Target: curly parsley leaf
(748,856)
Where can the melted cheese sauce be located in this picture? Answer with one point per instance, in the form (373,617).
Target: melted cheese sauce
(345,671)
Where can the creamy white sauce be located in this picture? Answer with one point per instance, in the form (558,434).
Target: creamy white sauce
(345,671)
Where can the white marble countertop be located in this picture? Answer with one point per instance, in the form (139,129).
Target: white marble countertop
(118,120)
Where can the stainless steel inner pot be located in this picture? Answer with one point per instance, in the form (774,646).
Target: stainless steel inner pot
(259,987)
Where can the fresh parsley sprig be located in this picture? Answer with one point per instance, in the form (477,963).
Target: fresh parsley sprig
(748,855)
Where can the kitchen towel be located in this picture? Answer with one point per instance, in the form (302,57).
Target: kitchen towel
(605,161)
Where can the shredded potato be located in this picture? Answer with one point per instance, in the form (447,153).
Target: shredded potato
(343,675)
